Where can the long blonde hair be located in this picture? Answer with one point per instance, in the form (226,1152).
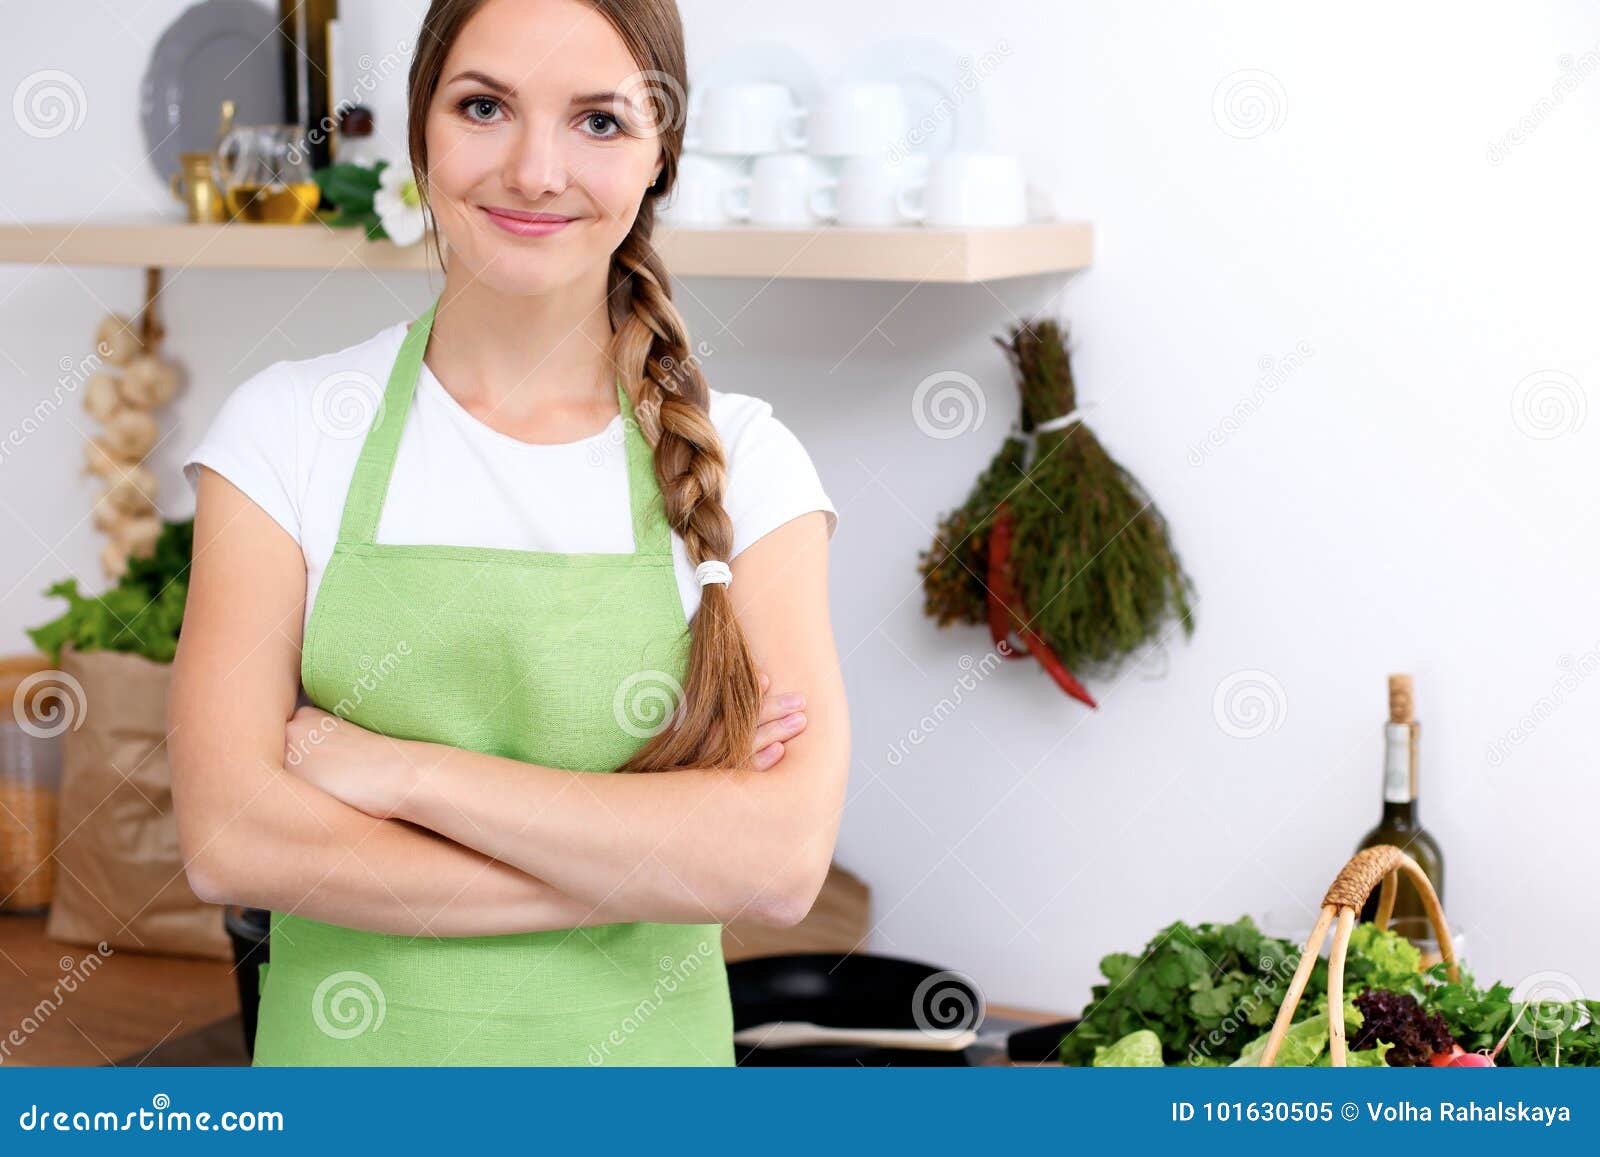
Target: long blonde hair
(714,722)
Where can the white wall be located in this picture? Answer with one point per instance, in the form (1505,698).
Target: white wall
(1386,505)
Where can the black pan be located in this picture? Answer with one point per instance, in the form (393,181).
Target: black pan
(862,991)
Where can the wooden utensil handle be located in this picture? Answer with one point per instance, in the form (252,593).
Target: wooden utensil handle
(796,1033)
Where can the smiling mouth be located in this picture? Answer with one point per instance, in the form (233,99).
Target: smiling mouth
(527,224)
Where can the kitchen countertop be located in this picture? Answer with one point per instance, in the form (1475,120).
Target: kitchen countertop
(128,1006)
(147,1010)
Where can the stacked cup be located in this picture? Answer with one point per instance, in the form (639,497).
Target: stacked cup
(755,155)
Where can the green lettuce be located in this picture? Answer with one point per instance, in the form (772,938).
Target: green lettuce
(1139,1049)
(1306,1043)
(141,614)
(1382,958)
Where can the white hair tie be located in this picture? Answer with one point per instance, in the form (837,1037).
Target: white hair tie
(713,571)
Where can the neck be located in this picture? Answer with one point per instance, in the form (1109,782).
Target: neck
(520,355)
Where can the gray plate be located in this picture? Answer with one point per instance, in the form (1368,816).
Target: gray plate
(218,50)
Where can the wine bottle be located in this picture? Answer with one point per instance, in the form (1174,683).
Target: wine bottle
(1401,825)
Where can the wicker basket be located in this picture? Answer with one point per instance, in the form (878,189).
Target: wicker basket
(1346,895)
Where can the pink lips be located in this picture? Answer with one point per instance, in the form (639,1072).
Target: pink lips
(528,224)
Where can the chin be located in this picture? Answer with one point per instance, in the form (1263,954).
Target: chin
(515,272)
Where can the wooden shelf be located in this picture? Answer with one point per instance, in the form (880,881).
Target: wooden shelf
(910,254)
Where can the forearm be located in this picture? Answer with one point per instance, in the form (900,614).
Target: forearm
(687,846)
(294,848)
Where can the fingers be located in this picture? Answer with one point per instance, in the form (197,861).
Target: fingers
(780,730)
(780,719)
(775,706)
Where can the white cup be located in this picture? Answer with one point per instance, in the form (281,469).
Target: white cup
(866,192)
(968,190)
(778,190)
(862,118)
(700,190)
(747,119)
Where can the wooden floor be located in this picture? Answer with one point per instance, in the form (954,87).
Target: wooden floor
(127,1009)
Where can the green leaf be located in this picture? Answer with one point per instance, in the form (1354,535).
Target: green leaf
(1359,1058)
(1262,1012)
(1194,961)
(142,614)
(1139,1049)
(1171,972)
(1118,966)
(1382,958)
(351,186)
(1149,998)
(1303,1042)
(1215,1003)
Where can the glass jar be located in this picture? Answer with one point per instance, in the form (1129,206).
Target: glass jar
(30,785)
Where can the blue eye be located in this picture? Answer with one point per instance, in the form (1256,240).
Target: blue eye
(476,102)
(605,116)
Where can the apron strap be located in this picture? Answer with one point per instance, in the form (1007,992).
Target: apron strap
(369,486)
(652,536)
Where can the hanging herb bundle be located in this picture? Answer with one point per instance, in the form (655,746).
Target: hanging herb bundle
(955,573)
(1057,542)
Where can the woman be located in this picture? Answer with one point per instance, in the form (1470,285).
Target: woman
(486,602)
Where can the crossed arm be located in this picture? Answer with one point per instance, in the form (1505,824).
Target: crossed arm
(454,843)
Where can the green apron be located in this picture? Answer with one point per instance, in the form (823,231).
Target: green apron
(531,655)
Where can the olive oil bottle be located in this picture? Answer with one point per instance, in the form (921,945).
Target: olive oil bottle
(1400,824)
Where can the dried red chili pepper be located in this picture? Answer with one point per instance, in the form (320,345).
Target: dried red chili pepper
(1006,610)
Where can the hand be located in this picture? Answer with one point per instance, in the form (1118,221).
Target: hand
(777,721)
(360,767)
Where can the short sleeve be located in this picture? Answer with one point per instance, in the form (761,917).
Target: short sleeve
(252,442)
(771,478)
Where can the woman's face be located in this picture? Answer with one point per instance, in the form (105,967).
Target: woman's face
(521,126)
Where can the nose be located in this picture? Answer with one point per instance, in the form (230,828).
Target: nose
(536,164)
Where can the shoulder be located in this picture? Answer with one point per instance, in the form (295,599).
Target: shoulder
(359,368)
(771,478)
(735,415)
(752,433)
(263,432)
(323,392)
(371,357)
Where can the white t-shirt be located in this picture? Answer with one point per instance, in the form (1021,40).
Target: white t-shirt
(289,438)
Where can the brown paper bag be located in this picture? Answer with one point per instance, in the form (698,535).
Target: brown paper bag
(119,876)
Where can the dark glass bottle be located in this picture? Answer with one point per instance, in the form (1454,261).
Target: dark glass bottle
(1401,825)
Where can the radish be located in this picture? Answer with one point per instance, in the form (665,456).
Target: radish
(1443,1060)
(1466,1060)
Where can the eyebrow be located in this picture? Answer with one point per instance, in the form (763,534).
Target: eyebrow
(504,89)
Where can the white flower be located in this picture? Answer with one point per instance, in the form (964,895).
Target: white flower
(398,204)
